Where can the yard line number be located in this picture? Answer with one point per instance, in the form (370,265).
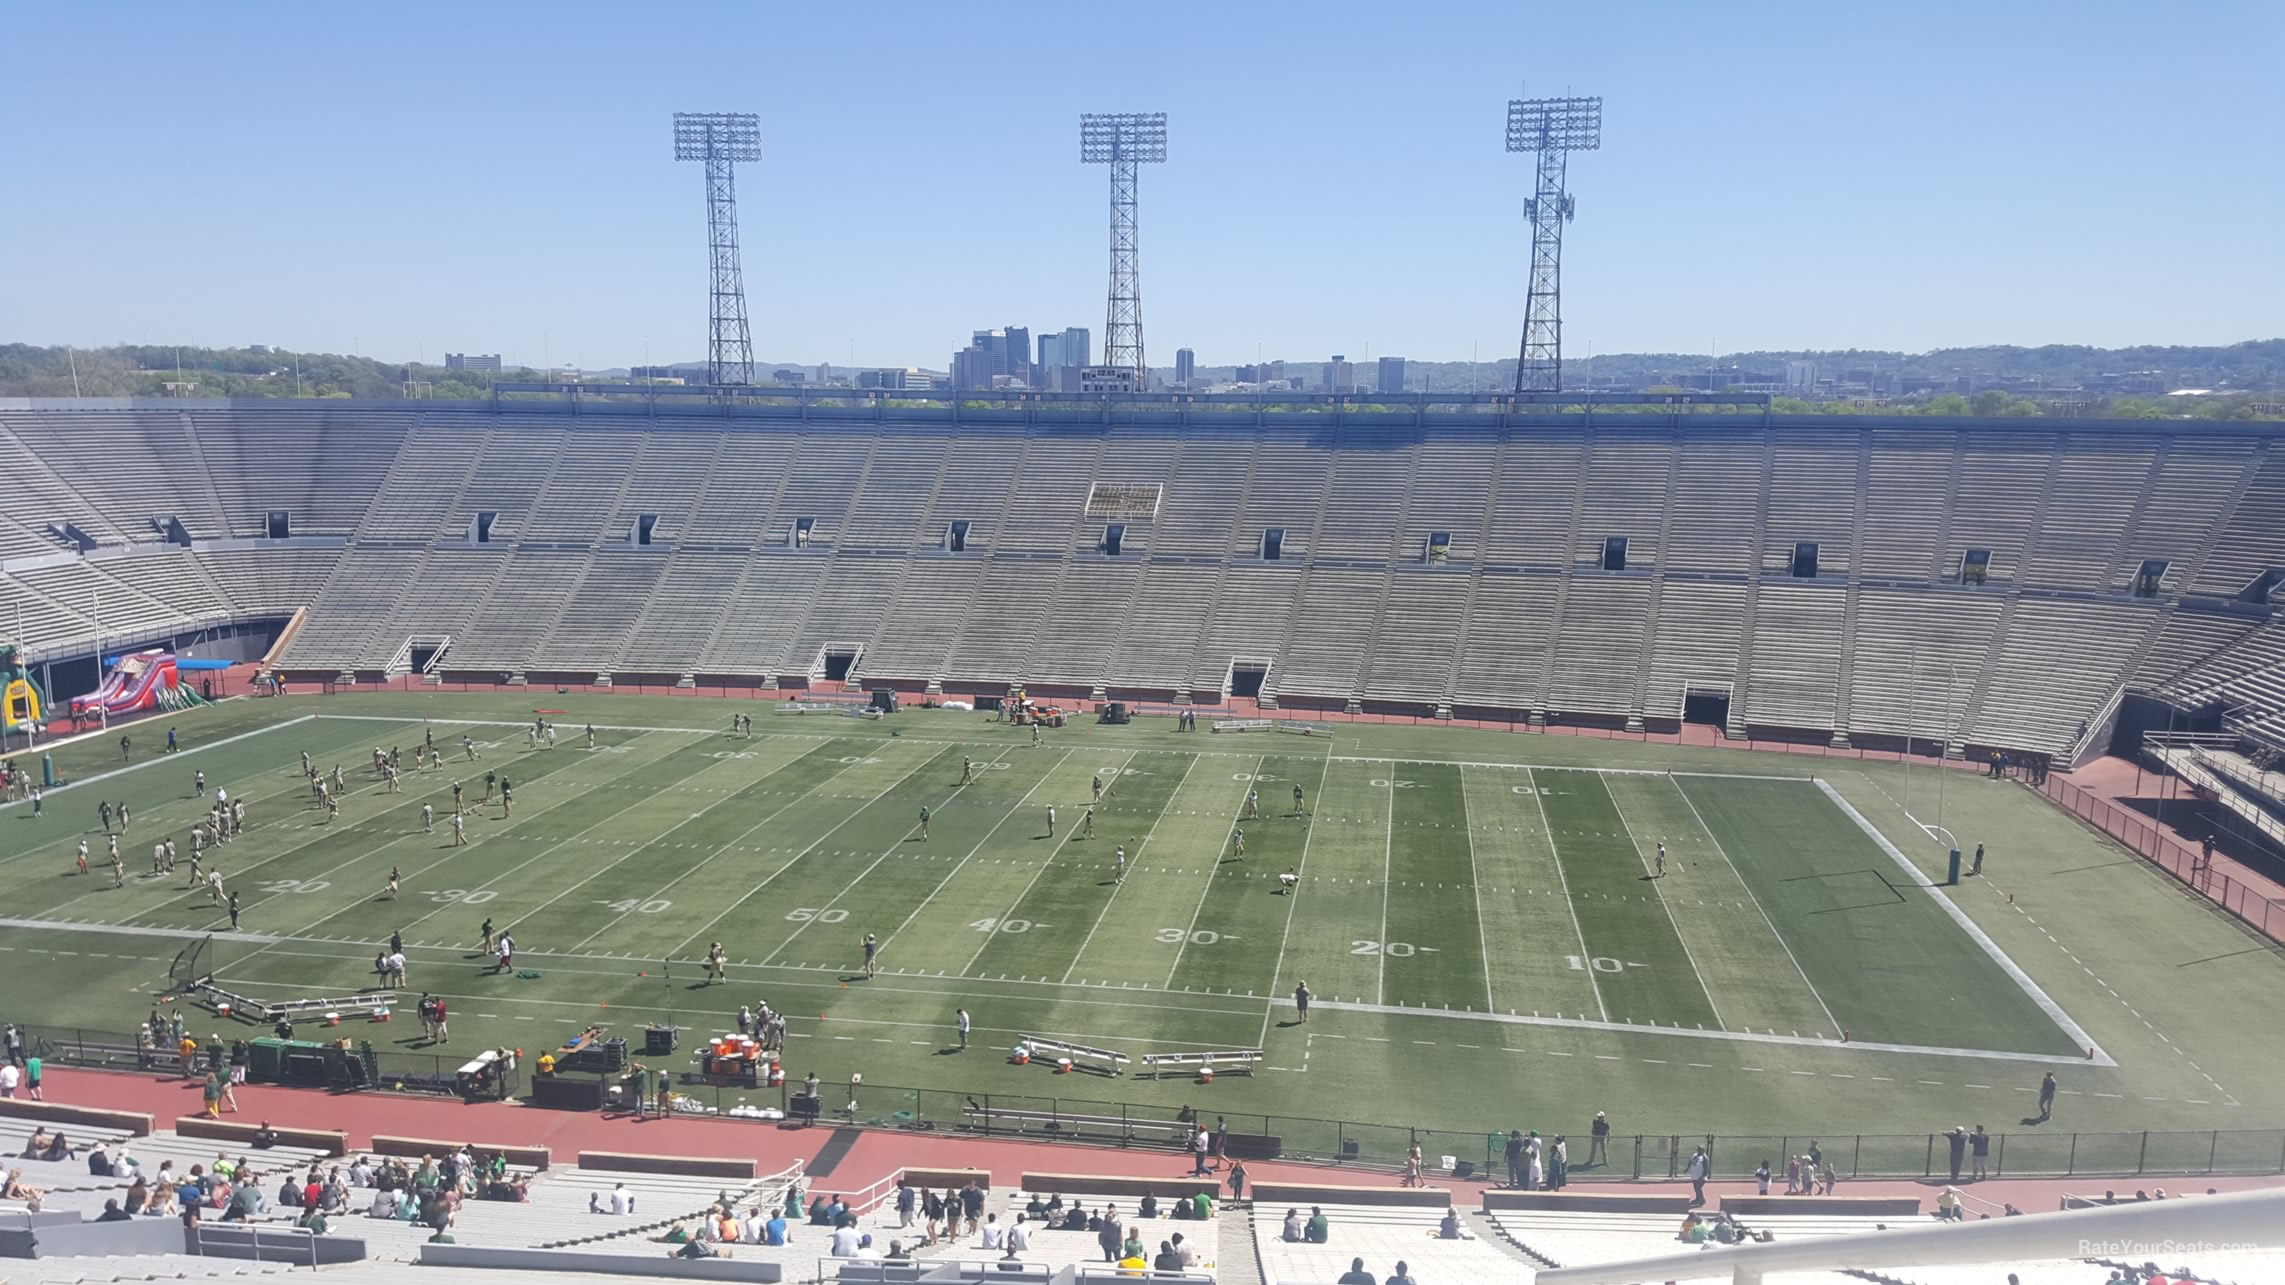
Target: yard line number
(1392,949)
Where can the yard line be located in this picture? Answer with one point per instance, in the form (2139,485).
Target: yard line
(1028,885)
(213,852)
(1140,848)
(1780,937)
(1204,892)
(1476,884)
(1671,921)
(452,853)
(892,849)
(660,838)
(1969,926)
(623,916)
(153,760)
(1388,856)
(854,813)
(1300,868)
(941,884)
(1531,777)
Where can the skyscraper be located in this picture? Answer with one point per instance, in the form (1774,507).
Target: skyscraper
(1068,347)
(1340,375)
(1391,375)
(1185,366)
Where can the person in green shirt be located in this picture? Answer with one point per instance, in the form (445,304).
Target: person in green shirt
(1318,1231)
(1204,1205)
(313,1221)
(213,1094)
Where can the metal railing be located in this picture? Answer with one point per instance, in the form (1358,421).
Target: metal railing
(2149,840)
(1384,1146)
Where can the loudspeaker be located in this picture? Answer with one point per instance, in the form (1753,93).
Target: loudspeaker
(658,1041)
(1463,1168)
(804,1106)
(885,700)
(1348,1148)
(1115,712)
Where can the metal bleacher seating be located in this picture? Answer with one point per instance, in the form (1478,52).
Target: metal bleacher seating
(1519,615)
(1382,1235)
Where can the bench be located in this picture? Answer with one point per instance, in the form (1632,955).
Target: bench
(372,1004)
(1831,1206)
(1172,1133)
(1243,725)
(105,1056)
(332,1142)
(806,707)
(1241,1060)
(517,1157)
(1676,1203)
(732,1268)
(1326,1193)
(1099,1184)
(689,1166)
(1107,1060)
(1306,729)
(941,1179)
(135,1123)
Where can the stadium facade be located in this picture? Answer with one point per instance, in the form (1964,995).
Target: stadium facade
(1994,583)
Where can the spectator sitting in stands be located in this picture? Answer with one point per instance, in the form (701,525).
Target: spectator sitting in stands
(1075,1218)
(516,1190)
(1293,1231)
(385,1203)
(112,1213)
(1184,1251)
(1449,1229)
(265,1137)
(312,1221)
(1035,1206)
(1356,1275)
(1167,1260)
(845,1241)
(896,1253)
(696,1249)
(1319,1231)
(37,1148)
(1401,1276)
(1149,1208)
(817,1215)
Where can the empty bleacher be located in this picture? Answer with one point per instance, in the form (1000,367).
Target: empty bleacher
(1520,615)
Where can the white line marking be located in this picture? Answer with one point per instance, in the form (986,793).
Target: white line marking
(1739,875)
(1476,895)
(1642,858)
(1974,930)
(1300,868)
(1135,866)
(1008,816)
(1531,777)
(1253,786)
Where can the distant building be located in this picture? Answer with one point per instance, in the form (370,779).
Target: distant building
(659,373)
(1340,375)
(1801,374)
(789,376)
(1391,376)
(993,357)
(471,361)
(1185,367)
(911,377)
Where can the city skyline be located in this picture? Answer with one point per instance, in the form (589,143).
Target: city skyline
(1870,183)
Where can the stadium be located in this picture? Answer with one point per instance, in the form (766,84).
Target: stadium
(1765,785)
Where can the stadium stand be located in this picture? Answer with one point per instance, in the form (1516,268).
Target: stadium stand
(1829,579)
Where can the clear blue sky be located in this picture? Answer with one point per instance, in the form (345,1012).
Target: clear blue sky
(412,178)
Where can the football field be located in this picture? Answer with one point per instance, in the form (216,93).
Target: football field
(1450,913)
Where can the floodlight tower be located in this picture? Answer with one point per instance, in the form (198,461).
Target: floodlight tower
(1123,141)
(1552,128)
(721,139)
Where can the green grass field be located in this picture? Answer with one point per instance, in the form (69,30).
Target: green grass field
(1476,914)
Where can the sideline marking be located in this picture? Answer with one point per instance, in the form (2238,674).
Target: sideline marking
(1562,881)
(2047,1005)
